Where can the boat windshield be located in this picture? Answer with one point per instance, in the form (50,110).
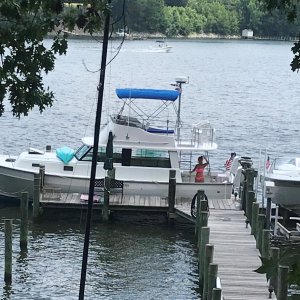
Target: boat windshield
(83,152)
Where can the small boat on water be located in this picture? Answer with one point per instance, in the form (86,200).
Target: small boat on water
(161,46)
(145,149)
(284,174)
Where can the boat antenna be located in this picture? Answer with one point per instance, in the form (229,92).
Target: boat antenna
(179,82)
(95,151)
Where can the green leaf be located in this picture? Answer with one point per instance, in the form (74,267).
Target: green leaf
(268,267)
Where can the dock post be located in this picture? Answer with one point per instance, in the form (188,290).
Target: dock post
(217,294)
(244,193)
(24,221)
(212,279)
(255,211)
(265,247)
(204,240)
(105,207)
(171,194)
(203,221)
(250,201)
(282,284)
(208,258)
(42,177)
(249,174)
(8,251)
(275,256)
(268,213)
(260,226)
(201,206)
(36,197)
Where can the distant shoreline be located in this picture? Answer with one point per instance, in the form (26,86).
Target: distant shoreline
(78,34)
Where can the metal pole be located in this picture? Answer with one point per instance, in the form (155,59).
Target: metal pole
(178,113)
(95,152)
(276,221)
(263,187)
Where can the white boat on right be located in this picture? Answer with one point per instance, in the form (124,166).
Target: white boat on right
(282,180)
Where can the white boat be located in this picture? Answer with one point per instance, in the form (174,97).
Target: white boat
(284,176)
(161,46)
(121,33)
(143,154)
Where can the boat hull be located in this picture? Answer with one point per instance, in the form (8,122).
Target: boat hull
(213,190)
(13,182)
(286,193)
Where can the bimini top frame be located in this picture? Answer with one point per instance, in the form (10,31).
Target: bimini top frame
(129,95)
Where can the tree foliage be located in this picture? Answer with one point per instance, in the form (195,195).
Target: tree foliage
(288,257)
(24,58)
(290,8)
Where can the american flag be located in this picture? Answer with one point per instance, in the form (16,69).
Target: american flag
(268,164)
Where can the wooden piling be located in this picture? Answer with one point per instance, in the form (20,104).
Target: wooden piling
(204,240)
(105,208)
(255,212)
(250,201)
(42,177)
(203,221)
(275,256)
(208,258)
(212,279)
(8,251)
(265,247)
(250,175)
(36,197)
(216,294)
(201,206)
(24,221)
(260,226)
(244,193)
(171,194)
(248,184)
(282,284)
(268,213)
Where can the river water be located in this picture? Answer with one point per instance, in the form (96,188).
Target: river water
(245,88)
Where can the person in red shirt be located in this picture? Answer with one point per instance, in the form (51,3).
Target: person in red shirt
(199,169)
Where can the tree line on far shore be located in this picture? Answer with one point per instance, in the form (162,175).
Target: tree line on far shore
(185,17)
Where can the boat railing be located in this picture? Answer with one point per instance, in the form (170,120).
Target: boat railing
(201,134)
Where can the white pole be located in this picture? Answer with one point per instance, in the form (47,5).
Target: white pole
(258,175)
(276,221)
(263,187)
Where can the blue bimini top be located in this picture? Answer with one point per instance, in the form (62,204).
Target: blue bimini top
(168,95)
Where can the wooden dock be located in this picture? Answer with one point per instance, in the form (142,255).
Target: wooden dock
(234,248)
(236,255)
(129,202)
